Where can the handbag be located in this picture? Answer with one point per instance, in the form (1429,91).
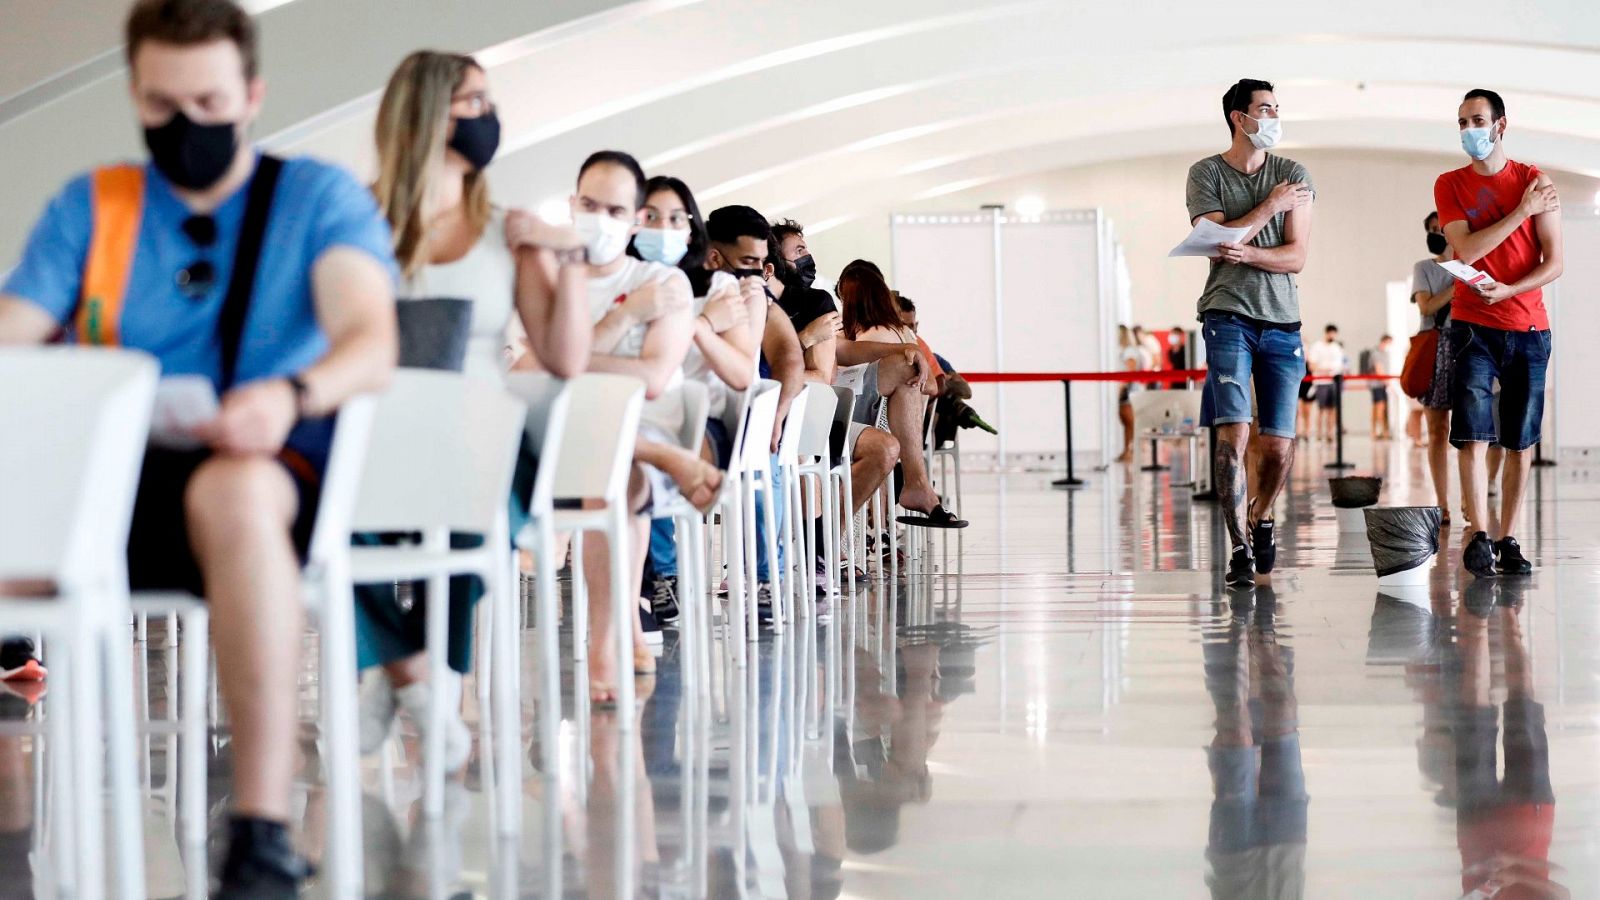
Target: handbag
(1416,376)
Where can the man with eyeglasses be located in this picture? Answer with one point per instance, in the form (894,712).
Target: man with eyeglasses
(284,349)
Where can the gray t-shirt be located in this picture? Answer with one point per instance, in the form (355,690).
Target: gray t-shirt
(1427,275)
(1215,186)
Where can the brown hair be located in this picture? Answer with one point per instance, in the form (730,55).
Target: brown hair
(413,123)
(186,23)
(867,300)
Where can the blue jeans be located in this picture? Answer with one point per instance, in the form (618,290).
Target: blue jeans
(664,548)
(1519,360)
(1240,351)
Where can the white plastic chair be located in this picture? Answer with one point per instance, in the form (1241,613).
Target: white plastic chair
(75,422)
(814,460)
(753,477)
(843,423)
(592,462)
(797,569)
(441,458)
(689,528)
(327,592)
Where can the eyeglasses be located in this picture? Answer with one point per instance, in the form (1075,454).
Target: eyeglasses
(197,278)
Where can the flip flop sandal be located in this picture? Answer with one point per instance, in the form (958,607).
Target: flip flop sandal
(938,517)
(602,696)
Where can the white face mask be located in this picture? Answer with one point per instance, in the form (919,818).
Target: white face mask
(1268,133)
(663,245)
(604,236)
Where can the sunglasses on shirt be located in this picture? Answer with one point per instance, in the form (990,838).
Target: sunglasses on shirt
(197,278)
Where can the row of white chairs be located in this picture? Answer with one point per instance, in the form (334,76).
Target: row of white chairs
(66,497)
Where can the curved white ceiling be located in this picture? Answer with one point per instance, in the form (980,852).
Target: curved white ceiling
(834,109)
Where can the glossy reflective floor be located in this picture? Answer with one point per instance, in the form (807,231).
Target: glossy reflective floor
(1069,706)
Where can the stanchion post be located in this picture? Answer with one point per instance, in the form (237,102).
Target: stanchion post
(1338,426)
(1071,481)
(1538,457)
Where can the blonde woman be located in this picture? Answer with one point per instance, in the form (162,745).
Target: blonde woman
(1130,357)
(437,131)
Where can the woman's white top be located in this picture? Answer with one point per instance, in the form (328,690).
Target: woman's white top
(606,291)
(486,276)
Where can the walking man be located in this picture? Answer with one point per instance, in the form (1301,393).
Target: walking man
(1501,217)
(1250,316)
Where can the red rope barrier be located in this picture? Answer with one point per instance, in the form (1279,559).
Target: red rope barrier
(1169,376)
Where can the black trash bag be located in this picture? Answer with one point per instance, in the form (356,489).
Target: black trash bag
(1402,537)
(434,332)
(1355,491)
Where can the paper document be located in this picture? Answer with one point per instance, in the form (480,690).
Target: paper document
(182,403)
(1206,236)
(1466,274)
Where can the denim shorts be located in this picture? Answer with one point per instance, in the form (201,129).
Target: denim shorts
(1518,359)
(1241,353)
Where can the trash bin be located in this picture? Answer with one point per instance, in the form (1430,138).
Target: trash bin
(1403,539)
(1403,630)
(1351,494)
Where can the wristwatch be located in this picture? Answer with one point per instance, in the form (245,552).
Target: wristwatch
(301,392)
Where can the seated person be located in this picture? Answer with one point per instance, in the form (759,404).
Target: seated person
(232,519)
(954,392)
(882,361)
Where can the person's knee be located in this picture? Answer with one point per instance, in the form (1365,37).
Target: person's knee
(231,498)
(879,448)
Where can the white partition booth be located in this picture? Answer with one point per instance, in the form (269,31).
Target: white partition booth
(1571,429)
(1003,293)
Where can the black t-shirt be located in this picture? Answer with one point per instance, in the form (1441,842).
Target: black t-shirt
(805,305)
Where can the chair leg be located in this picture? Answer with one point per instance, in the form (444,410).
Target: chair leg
(64,786)
(549,599)
(623,611)
(770,523)
(88,751)
(752,571)
(505,688)
(126,809)
(733,554)
(580,602)
(338,688)
(195,665)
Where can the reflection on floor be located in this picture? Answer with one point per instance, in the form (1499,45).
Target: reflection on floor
(1070,706)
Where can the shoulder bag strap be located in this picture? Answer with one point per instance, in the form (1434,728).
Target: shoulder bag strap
(236,305)
(117,201)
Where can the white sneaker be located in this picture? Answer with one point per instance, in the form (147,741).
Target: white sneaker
(377,708)
(457,739)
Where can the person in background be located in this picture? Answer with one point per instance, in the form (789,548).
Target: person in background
(881,360)
(1177,349)
(437,132)
(1382,364)
(728,324)
(1431,290)
(230,521)
(1130,359)
(1327,358)
(1502,217)
(791,242)
(1306,408)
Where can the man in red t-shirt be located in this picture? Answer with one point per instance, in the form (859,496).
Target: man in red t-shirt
(1503,218)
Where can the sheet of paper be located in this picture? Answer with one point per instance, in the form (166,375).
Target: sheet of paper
(182,403)
(1205,237)
(1465,274)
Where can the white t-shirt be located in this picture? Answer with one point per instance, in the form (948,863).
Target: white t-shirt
(695,365)
(487,276)
(1326,358)
(665,412)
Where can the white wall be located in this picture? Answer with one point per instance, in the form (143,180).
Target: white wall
(1368,231)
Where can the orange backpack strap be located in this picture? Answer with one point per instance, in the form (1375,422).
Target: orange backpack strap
(117,204)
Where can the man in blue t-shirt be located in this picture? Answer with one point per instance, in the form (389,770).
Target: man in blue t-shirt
(230,519)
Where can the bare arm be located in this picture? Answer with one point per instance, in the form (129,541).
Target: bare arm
(665,343)
(1548,226)
(1429,303)
(1471,246)
(725,338)
(855,353)
(1288,258)
(552,304)
(1286,196)
(820,363)
(782,348)
(23,322)
(355,307)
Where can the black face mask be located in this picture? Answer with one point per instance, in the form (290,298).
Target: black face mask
(748,273)
(192,156)
(477,139)
(806,268)
(1437,243)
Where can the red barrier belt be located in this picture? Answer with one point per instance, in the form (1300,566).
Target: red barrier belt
(1169,376)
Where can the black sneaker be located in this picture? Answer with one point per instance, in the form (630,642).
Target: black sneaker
(1264,541)
(262,864)
(664,599)
(764,605)
(1241,568)
(1479,555)
(1509,559)
(649,624)
(18,662)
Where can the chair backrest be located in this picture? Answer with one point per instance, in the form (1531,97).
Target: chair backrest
(793,423)
(844,413)
(696,406)
(754,450)
(601,430)
(341,479)
(822,407)
(442,452)
(1166,410)
(74,422)
(549,402)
